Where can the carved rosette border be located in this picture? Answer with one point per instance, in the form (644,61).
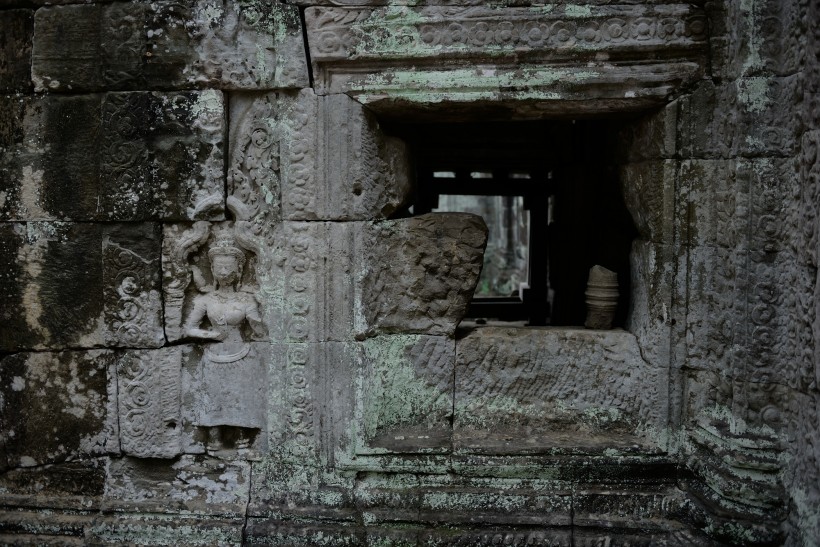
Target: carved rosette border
(301,155)
(300,418)
(351,33)
(301,277)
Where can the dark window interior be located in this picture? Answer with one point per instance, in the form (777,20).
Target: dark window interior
(550,189)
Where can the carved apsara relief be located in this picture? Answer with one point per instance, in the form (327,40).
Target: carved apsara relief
(211,297)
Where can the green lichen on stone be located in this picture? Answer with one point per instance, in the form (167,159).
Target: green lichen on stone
(471,84)
(575,10)
(753,93)
(393,390)
(208,104)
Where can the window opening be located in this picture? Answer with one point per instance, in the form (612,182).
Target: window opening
(514,279)
(550,194)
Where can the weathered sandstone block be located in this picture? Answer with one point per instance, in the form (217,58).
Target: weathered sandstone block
(420,273)
(714,209)
(656,301)
(80,285)
(767,38)
(340,166)
(713,293)
(404,394)
(114,156)
(191,484)
(653,137)
(768,119)
(16,31)
(178,45)
(57,407)
(71,484)
(750,117)
(530,390)
(183,528)
(649,192)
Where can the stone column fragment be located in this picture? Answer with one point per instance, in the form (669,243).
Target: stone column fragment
(176,45)
(114,156)
(345,281)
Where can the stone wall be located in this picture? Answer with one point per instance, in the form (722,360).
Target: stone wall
(219,327)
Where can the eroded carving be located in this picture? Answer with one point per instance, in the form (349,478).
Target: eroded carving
(224,310)
(253,175)
(428,268)
(149,403)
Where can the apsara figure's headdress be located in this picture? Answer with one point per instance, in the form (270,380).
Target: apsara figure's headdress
(225,245)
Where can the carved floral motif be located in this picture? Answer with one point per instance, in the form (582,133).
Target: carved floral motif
(149,403)
(301,155)
(132,299)
(253,176)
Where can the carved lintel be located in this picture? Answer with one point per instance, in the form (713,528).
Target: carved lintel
(633,56)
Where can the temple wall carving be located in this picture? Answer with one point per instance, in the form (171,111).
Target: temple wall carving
(222,323)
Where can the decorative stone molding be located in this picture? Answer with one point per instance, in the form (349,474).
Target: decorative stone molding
(307,157)
(737,482)
(340,166)
(519,55)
